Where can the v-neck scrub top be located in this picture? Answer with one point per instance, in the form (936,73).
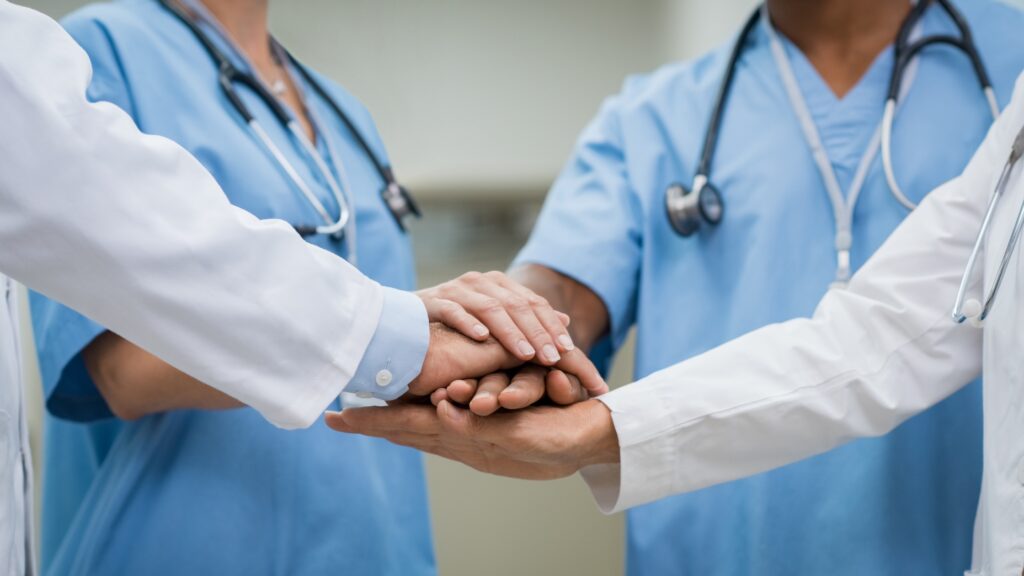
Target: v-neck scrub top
(205,492)
(898,505)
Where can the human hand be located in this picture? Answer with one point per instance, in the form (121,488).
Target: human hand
(480,305)
(527,386)
(451,356)
(540,443)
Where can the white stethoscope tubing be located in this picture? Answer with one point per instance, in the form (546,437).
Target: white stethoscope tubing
(887,165)
(336,189)
(842,209)
(964,309)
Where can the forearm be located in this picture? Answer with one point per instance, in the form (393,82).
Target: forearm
(589,315)
(135,383)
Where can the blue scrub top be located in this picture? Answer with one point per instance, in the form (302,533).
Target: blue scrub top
(196,492)
(902,504)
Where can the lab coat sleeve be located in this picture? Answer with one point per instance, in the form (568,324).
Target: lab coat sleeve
(61,333)
(91,215)
(872,356)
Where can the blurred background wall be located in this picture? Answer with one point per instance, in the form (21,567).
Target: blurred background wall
(479,102)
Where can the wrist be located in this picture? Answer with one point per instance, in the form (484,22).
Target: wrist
(600,441)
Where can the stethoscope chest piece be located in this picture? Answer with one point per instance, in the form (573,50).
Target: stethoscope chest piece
(688,209)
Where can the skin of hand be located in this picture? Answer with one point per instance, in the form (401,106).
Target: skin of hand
(452,356)
(516,391)
(480,305)
(539,443)
(135,383)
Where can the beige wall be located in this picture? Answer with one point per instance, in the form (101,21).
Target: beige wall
(480,100)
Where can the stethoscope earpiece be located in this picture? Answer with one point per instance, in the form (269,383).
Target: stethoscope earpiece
(972,310)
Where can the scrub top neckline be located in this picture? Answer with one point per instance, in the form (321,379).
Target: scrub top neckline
(868,92)
(322,152)
(220,35)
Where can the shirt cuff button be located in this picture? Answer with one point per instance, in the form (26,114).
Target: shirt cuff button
(384,378)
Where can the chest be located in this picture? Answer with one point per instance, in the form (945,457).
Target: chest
(177,94)
(774,254)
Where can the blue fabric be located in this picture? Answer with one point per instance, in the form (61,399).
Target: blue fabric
(193,492)
(902,504)
(398,347)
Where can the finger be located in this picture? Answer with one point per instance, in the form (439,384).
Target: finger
(566,320)
(380,422)
(521,311)
(485,402)
(429,444)
(564,389)
(487,305)
(553,321)
(335,422)
(462,391)
(576,363)
(526,388)
(438,395)
(459,423)
(453,315)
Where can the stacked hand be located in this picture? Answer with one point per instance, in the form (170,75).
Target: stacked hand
(499,349)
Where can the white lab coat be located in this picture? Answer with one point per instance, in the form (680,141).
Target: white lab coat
(872,356)
(134,233)
(15,468)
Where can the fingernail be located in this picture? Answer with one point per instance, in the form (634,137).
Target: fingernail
(551,353)
(525,349)
(480,330)
(566,342)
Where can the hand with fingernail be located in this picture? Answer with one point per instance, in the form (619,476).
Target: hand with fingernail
(484,305)
(516,389)
(452,356)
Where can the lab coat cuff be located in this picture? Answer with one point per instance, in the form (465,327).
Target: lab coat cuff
(604,483)
(644,471)
(396,352)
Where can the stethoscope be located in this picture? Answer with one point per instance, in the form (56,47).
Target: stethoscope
(689,209)
(964,309)
(398,200)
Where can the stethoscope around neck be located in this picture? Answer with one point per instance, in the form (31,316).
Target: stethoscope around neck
(398,200)
(690,209)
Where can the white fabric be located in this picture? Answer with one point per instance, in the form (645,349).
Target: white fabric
(133,232)
(871,357)
(843,206)
(15,471)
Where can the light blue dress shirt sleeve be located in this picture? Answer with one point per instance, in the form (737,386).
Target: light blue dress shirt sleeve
(397,350)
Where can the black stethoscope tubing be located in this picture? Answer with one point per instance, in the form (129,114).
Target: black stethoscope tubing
(687,208)
(398,200)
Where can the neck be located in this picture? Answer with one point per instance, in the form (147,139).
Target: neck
(245,21)
(841,38)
